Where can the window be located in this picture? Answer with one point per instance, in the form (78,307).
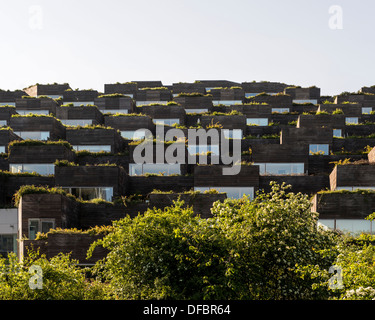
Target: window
(351,120)
(133,134)
(136,169)
(93,148)
(319,149)
(280,110)
(8,104)
(43,169)
(337,133)
(257,121)
(40,225)
(8,243)
(114,111)
(89,193)
(2,149)
(197,149)
(355,226)
(140,103)
(33,135)
(252,94)
(196,110)
(366,110)
(76,122)
(3,123)
(313,101)
(280,168)
(52,96)
(25,112)
(232,133)
(79,103)
(232,192)
(166,122)
(351,188)
(226,102)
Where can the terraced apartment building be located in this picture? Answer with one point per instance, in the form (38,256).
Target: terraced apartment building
(83,142)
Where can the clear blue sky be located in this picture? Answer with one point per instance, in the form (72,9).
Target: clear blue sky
(90,43)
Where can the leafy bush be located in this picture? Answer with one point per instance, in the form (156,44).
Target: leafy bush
(62,279)
(338,111)
(32,189)
(29,142)
(113,95)
(248,250)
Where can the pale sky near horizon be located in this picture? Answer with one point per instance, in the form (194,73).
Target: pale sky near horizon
(90,43)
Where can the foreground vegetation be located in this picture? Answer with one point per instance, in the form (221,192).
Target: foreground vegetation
(268,248)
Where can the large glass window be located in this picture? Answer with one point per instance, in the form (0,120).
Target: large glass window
(280,168)
(226,102)
(92,148)
(8,243)
(366,110)
(8,104)
(114,111)
(314,101)
(196,110)
(76,122)
(133,134)
(354,226)
(89,193)
(198,149)
(40,225)
(52,96)
(141,103)
(257,121)
(40,168)
(79,103)
(25,112)
(351,120)
(136,169)
(33,135)
(232,192)
(252,94)
(232,133)
(280,110)
(319,149)
(353,188)
(166,122)
(3,123)
(337,133)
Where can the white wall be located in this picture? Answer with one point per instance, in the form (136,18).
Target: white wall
(8,218)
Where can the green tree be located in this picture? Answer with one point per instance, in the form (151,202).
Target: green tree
(357,261)
(61,279)
(260,249)
(273,237)
(166,254)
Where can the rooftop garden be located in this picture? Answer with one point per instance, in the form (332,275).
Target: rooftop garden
(29,142)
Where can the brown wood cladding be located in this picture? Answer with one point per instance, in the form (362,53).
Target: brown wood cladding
(343,205)
(201,203)
(92,176)
(48,153)
(212,176)
(352,175)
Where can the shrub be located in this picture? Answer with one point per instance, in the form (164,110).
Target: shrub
(29,142)
(32,189)
(338,111)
